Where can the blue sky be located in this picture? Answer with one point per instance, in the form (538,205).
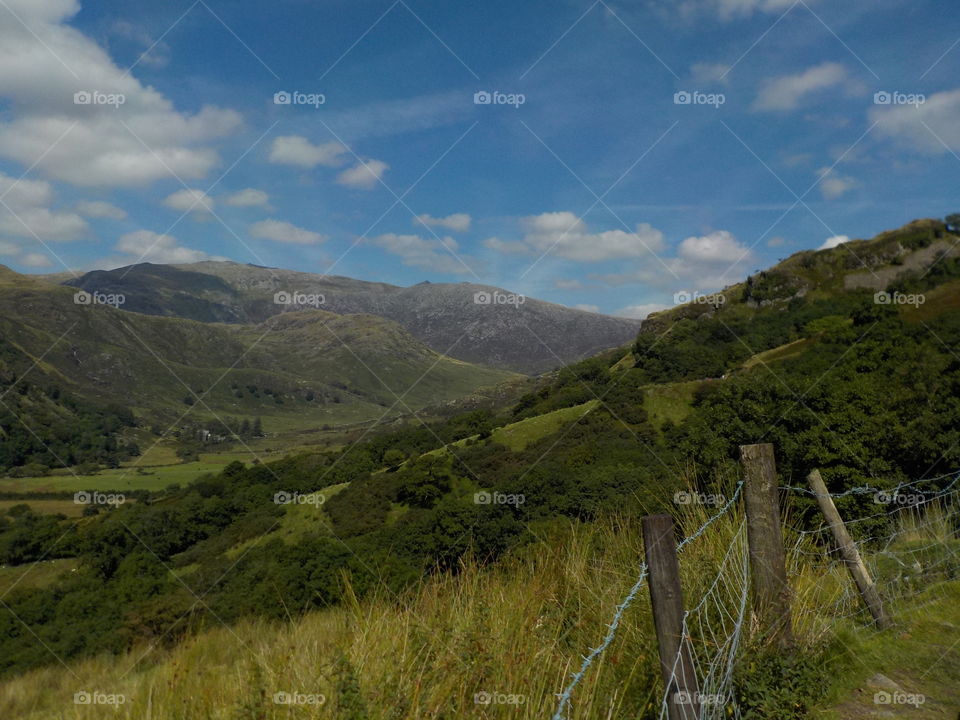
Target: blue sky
(588,180)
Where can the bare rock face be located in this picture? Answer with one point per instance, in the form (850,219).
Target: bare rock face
(475,323)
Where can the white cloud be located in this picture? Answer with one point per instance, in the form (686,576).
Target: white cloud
(249,197)
(717,247)
(565,235)
(832,242)
(24,212)
(9,248)
(100,209)
(458,222)
(567,284)
(506,247)
(363,176)
(639,312)
(788,91)
(728,9)
(284,232)
(702,264)
(35,260)
(428,254)
(931,127)
(189,201)
(833,184)
(45,62)
(152,52)
(297,150)
(148,246)
(709,73)
(587,308)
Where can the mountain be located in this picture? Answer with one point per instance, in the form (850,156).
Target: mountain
(475,323)
(310,367)
(836,377)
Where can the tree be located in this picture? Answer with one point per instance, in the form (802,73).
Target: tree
(257,429)
(953,222)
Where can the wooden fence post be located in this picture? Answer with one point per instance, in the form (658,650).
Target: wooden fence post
(768,571)
(848,551)
(666,597)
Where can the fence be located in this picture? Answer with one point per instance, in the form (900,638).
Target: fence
(750,595)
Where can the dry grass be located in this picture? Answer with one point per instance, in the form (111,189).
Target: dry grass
(518,629)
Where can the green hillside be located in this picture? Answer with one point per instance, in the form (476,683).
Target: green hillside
(427,513)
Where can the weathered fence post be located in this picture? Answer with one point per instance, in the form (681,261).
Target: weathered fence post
(768,571)
(666,597)
(848,551)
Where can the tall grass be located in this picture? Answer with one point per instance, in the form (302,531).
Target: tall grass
(513,632)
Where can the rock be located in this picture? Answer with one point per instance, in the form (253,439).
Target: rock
(883,682)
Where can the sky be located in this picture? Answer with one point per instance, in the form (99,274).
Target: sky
(610,155)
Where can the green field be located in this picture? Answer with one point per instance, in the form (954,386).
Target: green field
(50,507)
(132,478)
(673,401)
(33,575)
(518,435)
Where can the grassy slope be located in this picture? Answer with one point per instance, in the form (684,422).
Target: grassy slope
(517,629)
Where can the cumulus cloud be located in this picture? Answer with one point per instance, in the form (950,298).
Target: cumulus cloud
(565,235)
(148,246)
(834,241)
(717,247)
(284,232)
(100,209)
(458,222)
(639,312)
(789,91)
(709,73)
(297,150)
(46,62)
(701,263)
(567,284)
(833,184)
(189,201)
(35,260)
(427,254)
(364,175)
(248,197)
(24,212)
(930,127)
